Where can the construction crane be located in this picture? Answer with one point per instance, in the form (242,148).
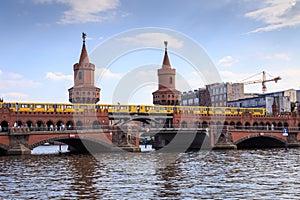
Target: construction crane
(263,81)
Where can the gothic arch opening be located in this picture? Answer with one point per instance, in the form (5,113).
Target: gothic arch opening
(70,125)
(4,126)
(79,125)
(239,125)
(247,125)
(96,124)
(39,125)
(183,124)
(204,124)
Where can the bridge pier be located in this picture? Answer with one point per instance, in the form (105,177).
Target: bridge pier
(19,149)
(18,142)
(224,141)
(126,138)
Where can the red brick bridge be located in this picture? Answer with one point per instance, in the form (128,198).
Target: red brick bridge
(96,129)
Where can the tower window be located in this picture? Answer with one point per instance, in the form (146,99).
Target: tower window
(80,75)
(170,80)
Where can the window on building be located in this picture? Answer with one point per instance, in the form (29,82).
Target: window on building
(171,81)
(80,75)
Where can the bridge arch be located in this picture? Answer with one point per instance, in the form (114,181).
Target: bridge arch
(260,141)
(3,147)
(77,144)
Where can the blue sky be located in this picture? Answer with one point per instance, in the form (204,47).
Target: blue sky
(41,40)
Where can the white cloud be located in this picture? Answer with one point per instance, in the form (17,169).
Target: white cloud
(12,75)
(58,76)
(14,95)
(276,14)
(153,39)
(227,61)
(11,80)
(106,73)
(282,56)
(278,56)
(0,72)
(85,11)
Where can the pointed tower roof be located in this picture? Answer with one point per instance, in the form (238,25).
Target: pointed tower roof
(84,58)
(166,62)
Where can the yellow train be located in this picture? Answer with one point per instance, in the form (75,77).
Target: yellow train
(117,108)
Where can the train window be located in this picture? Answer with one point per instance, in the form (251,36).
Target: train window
(39,106)
(24,105)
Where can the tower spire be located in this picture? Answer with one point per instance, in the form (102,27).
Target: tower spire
(166,45)
(83,37)
(166,61)
(84,58)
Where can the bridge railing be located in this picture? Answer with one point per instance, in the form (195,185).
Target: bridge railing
(51,129)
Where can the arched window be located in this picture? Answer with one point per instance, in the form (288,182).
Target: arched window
(80,75)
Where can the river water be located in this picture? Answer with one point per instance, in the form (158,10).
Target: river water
(233,174)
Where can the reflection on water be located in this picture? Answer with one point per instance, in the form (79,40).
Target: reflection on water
(246,174)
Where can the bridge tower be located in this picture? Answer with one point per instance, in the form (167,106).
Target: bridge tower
(84,90)
(166,93)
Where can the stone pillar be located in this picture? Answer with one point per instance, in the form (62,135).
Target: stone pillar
(18,144)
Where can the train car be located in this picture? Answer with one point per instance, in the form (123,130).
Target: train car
(39,107)
(159,109)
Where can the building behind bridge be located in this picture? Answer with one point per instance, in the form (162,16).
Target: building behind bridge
(232,95)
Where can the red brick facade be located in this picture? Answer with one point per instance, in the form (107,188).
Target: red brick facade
(166,93)
(84,90)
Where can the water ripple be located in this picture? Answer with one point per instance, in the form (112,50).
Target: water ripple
(247,174)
